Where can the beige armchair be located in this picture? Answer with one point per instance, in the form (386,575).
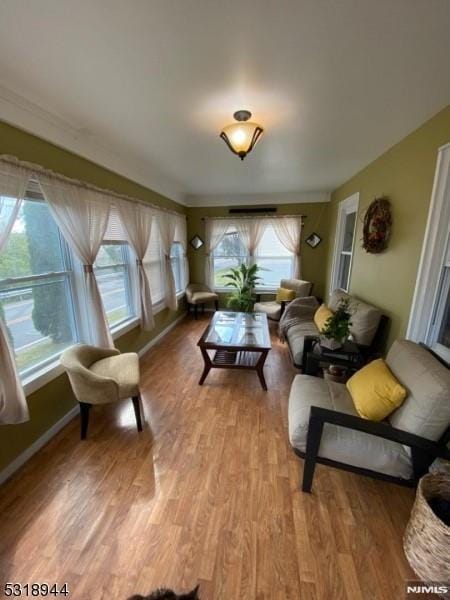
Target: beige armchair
(101,376)
(199,294)
(274,309)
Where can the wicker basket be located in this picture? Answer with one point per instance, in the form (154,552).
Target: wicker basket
(427,538)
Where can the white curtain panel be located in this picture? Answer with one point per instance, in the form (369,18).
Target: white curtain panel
(82,216)
(181,236)
(251,232)
(289,232)
(215,230)
(137,221)
(13,405)
(167,229)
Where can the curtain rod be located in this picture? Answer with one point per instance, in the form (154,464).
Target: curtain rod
(35,168)
(255,216)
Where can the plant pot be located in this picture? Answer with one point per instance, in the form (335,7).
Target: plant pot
(330,343)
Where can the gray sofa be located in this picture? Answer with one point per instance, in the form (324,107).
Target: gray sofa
(398,449)
(298,322)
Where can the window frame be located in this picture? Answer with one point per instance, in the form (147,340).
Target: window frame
(273,287)
(346,207)
(245,259)
(432,277)
(130,280)
(33,372)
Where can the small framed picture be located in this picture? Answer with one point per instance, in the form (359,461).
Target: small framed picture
(196,242)
(313,240)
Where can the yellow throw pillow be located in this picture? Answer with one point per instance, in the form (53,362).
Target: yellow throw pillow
(321,316)
(375,391)
(285,295)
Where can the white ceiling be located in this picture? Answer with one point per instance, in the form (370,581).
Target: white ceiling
(144,86)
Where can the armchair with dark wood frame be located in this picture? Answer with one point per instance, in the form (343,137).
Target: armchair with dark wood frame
(423,451)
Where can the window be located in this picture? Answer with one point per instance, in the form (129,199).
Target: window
(177,262)
(430,314)
(36,288)
(229,253)
(343,249)
(113,278)
(274,259)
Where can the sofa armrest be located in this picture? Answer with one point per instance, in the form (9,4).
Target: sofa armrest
(380,429)
(320,416)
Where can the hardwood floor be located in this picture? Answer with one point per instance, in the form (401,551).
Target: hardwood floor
(208,492)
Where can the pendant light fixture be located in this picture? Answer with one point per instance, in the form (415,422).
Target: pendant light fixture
(241,136)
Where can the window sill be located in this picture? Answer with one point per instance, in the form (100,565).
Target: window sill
(124,327)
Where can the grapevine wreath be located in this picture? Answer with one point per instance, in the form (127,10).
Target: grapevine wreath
(377,226)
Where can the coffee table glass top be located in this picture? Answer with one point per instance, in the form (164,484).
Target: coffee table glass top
(237,329)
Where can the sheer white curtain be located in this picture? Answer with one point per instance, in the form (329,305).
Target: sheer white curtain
(167,229)
(215,230)
(181,236)
(289,232)
(13,405)
(82,216)
(251,232)
(137,221)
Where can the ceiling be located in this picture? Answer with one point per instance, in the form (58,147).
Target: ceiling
(144,86)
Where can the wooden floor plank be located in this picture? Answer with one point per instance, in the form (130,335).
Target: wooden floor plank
(208,493)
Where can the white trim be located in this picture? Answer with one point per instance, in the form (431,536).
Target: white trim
(160,335)
(30,117)
(54,429)
(24,456)
(433,248)
(347,206)
(205,200)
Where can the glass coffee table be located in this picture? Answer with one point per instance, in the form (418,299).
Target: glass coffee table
(236,340)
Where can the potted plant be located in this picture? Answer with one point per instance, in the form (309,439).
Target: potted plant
(337,327)
(243,279)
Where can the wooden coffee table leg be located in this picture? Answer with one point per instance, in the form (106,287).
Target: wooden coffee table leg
(260,369)
(207,367)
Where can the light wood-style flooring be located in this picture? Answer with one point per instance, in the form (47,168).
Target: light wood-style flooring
(208,493)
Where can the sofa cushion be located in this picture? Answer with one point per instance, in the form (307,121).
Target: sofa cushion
(426,410)
(321,316)
(365,317)
(341,444)
(285,295)
(375,391)
(301,288)
(272,309)
(296,339)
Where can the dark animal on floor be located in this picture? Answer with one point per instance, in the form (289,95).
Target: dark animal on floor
(164,594)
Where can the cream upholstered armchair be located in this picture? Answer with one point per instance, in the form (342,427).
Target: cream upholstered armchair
(274,309)
(101,376)
(198,293)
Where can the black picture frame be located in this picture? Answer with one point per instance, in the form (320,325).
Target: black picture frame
(196,242)
(313,240)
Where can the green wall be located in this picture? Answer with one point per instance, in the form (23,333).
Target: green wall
(313,260)
(405,175)
(51,402)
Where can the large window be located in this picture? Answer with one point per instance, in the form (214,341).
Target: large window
(275,260)
(229,253)
(177,262)
(36,288)
(344,241)
(113,278)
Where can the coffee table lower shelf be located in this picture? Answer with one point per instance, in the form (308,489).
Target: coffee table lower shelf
(252,360)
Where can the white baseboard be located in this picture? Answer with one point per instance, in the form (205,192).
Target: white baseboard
(37,445)
(160,335)
(54,429)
